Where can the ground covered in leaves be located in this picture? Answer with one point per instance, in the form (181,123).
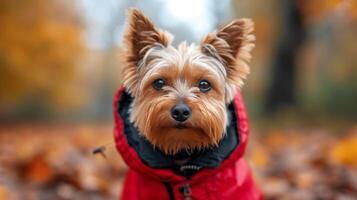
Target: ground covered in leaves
(55,162)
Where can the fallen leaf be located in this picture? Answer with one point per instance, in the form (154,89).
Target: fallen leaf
(345,151)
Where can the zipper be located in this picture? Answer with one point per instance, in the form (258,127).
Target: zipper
(185,190)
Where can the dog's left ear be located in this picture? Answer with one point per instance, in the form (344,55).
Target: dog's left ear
(232,45)
(140,35)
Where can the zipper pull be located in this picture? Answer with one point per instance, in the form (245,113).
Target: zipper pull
(185,190)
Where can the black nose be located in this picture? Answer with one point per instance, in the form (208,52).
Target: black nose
(181,112)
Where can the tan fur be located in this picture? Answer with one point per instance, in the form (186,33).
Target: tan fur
(232,46)
(139,37)
(221,58)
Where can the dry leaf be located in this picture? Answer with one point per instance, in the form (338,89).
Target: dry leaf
(345,151)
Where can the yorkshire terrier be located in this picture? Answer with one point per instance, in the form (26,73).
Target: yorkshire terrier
(180,121)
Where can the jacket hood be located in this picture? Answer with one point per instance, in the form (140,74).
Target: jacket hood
(140,155)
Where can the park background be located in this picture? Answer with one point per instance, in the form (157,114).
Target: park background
(59,70)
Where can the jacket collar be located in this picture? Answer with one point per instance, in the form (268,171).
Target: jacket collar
(142,157)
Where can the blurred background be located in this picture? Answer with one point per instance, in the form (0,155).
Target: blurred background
(59,71)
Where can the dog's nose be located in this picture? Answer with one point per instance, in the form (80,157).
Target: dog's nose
(181,112)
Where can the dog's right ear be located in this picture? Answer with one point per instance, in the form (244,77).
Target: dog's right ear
(232,45)
(140,35)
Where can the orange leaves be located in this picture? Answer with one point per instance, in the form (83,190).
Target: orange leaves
(305,164)
(3,193)
(258,154)
(259,157)
(37,170)
(56,161)
(344,151)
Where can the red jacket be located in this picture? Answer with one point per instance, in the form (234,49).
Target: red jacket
(232,179)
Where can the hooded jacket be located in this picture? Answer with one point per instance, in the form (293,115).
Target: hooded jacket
(217,173)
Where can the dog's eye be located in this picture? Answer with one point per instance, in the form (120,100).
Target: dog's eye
(204,86)
(158,84)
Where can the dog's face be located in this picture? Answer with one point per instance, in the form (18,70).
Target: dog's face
(180,94)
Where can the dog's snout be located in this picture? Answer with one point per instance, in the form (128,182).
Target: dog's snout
(181,112)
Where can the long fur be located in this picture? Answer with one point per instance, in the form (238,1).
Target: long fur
(221,58)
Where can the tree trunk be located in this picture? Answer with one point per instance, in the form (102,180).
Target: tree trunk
(281,90)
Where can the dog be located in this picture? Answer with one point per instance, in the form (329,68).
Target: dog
(180,121)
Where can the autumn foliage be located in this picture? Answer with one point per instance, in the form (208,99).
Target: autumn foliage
(58,163)
(40,45)
(47,66)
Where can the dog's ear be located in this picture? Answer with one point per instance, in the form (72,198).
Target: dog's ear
(232,45)
(140,35)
